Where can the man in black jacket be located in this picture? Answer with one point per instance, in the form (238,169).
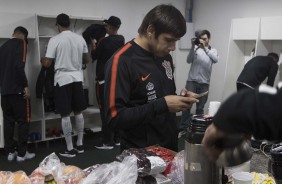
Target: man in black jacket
(256,70)
(252,112)
(140,99)
(105,49)
(15,94)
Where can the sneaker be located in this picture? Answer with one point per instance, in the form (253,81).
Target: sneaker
(104,146)
(67,153)
(79,149)
(181,133)
(12,156)
(26,157)
(117,141)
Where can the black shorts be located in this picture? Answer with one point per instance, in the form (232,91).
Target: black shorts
(15,108)
(69,98)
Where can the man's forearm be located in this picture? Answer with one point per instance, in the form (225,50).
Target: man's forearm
(46,62)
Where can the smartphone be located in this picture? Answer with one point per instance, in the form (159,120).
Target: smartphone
(203,94)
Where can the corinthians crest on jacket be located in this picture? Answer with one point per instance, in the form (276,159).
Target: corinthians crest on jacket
(168,69)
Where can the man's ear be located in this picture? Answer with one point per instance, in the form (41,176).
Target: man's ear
(150,31)
(18,35)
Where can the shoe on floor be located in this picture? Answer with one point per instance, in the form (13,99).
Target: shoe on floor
(12,156)
(26,157)
(104,146)
(117,141)
(79,149)
(67,153)
(181,133)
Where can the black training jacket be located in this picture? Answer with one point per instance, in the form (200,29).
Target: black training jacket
(12,62)
(105,49)
(258,112)
(135,85)
(257,69)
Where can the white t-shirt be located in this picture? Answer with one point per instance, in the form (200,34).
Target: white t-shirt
(67,50)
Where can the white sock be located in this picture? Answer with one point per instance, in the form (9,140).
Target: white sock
(79,124)
(67,129)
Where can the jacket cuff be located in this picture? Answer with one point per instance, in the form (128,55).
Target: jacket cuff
(160,105)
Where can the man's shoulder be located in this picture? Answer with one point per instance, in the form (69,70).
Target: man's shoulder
(112,38)
(128,49)
(212,48)
(264,59)
(125,54)
(13,42)
(66,34)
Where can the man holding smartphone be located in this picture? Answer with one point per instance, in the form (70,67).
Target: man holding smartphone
(140,99)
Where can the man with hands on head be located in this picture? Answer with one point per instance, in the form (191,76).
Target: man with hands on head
(140,99)
(249,112)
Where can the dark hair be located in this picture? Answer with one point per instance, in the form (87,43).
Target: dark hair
(274,56)
(203,32)
(63,20)
(22,30)
(94,31)
(164,19)
(114,21)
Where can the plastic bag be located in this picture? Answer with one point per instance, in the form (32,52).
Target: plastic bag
(51,164)
(147,162)
(153,179)
(62,174)
(71,175)
(4,176)
(18,177)
(161,179)
(88,170)
(36,177)
(177,169)
(114,173)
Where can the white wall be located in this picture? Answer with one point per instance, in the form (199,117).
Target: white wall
(216,16)
(131,12)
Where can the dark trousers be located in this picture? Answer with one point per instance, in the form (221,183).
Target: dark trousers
(107,133)
(195,88)
(15,109)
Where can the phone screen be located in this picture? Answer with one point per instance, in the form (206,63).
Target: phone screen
(203,94)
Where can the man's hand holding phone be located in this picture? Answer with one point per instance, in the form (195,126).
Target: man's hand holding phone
(203,94)
(185,92)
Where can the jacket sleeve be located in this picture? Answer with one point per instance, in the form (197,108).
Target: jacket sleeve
(272,74)
(21,59)
(212,53)
(191,55)
(257,112)
(120,112)
(99,50)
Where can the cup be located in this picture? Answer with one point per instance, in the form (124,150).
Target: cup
(244,167)
(213,107)
(242,178)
